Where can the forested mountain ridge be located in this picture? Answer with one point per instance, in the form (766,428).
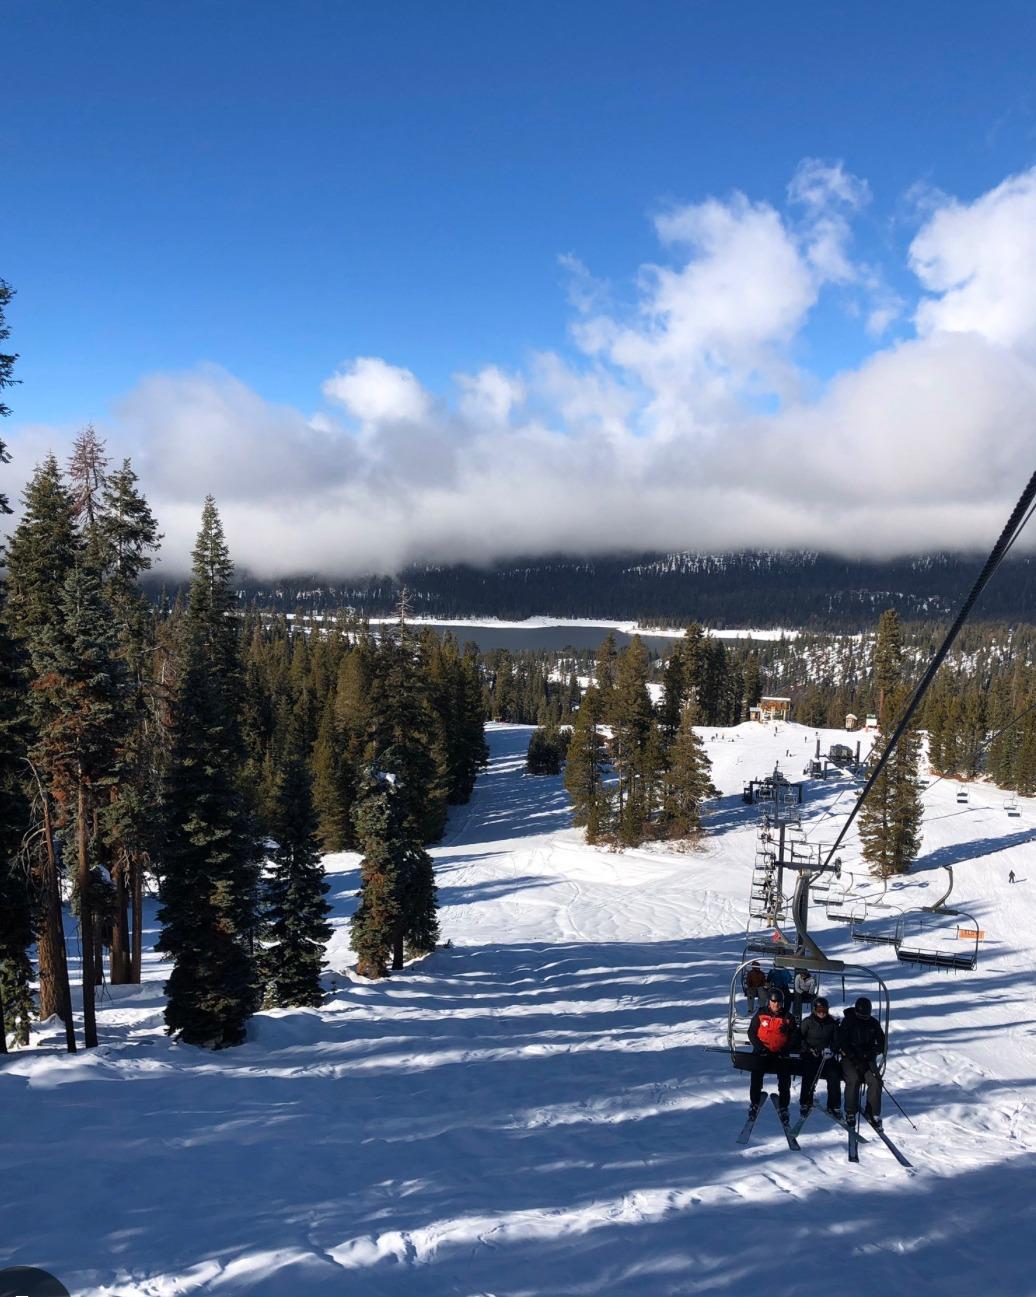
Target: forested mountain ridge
(752,588)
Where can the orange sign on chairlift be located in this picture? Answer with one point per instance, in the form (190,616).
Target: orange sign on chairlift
(972,934)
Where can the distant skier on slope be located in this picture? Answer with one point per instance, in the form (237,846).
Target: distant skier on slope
(860,1041)
(818,1045)
(773,1033)
(1010,876)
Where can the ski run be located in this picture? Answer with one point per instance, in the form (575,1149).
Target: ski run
(539,1108)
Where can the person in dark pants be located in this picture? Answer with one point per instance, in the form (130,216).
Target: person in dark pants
(773,1033)
(817,1047)
(860,1041)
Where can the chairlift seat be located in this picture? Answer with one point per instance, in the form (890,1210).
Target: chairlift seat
(966,962)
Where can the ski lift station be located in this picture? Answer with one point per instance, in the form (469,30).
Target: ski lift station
(769,710)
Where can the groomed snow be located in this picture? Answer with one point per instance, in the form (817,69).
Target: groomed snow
(536,1110)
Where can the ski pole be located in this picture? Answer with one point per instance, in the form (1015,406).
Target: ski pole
(816,1079)
(894,1099)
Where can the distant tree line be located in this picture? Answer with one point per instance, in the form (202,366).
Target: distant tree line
(766,589)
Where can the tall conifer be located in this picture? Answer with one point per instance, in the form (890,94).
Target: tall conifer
(297,926)
(210,858)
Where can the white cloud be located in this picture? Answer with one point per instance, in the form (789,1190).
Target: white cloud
(489,397)
(681,422)
(978,262)
(374,391)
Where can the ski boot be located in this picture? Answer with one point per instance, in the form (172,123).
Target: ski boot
(850,1120)
(835,1112)
(877,1123)
(783,1114)
(804,1110)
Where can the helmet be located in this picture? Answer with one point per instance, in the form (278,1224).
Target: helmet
(821,1002)
(776,994)
(863,1006)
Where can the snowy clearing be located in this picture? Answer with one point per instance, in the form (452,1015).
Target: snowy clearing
(534,1110)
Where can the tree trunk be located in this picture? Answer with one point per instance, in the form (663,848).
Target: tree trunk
(137,888)
(120,957)
(86,927)
(397,952)
(120,952)
(98,955)
(55,993)
(3,1026)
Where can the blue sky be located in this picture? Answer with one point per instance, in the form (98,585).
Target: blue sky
(278,189)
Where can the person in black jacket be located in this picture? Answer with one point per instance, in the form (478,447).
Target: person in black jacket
(817,1048)
(773,1034)
(860,1041)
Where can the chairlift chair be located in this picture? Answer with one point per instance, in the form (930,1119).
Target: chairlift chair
(931,939)
(852,980)
(1011,806)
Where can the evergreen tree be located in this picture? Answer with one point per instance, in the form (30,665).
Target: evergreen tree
(210,860)
(405,784)
(296,909)
(585,768)
(606,669)
(547,748)
(687,780)
(890,821)
(887,661)
(634,747)
(331,804)
(15,898)
(377,923)
(41,554)
(79,692)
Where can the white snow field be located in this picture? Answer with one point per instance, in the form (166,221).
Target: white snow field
(534,1110)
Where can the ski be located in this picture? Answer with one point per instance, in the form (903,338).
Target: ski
(854,1143)
(792,1141)
(840,1121)
(900,1158)
(804,1117)
(746,1129)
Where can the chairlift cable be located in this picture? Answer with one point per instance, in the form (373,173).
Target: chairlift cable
(1020,514)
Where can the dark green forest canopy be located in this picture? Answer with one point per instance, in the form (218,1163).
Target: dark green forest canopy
(765,590)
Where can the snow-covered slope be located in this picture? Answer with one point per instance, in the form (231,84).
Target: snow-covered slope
(537,1109)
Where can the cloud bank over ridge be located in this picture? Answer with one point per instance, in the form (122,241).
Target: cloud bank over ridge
(681,420)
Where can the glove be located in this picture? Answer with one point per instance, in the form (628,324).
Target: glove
(827,1054)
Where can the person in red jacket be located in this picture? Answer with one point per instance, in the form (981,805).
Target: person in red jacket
(772,1032)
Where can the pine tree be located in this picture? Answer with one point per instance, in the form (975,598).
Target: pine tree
(606,668)
(210,859)
(126,535)
(634,747)
(16,1002)
(41,554)
(15,897)
(401,806)
(332,806)
(687,782)
(890,822)
(585,768)
(887,661)
(79,692)
(376,925)
(296,910)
